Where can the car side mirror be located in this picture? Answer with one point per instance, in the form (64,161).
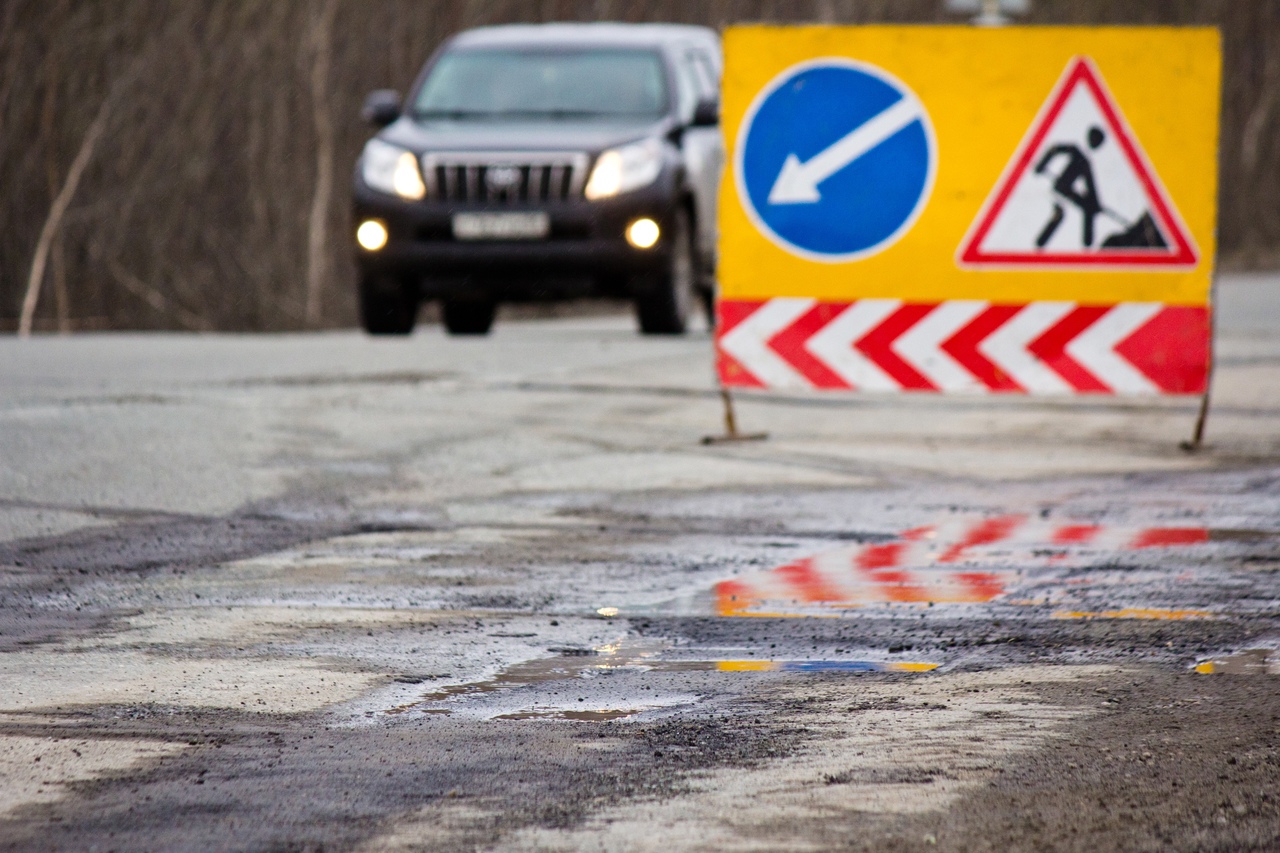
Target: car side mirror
(381,107)
(706,114)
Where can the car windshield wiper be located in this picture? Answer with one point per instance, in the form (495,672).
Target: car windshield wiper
(451,114)
(501,114)
(553,113)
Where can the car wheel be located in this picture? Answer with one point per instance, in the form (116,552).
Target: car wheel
(665,308)
(708,296)
(388,306)
(470,317)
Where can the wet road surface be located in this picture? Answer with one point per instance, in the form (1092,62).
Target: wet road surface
(319,592)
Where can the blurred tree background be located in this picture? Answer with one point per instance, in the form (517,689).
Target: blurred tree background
(185,165)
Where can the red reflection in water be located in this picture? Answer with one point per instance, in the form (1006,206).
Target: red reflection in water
(1163,537)
(920,566)
(985,585)
(807,581)
(732,597)
(882,556)
(1075,533)
(897,585)
(983,533)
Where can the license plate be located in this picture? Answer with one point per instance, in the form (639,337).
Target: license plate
(501,226)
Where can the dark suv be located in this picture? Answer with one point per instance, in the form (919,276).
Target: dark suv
(544,162)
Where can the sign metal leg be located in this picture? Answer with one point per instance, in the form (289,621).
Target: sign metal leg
(1197,435)
(731,425)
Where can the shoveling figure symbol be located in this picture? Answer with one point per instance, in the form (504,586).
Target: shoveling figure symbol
(1075,185)
(835,160)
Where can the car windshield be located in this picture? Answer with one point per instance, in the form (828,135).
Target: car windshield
(518,84)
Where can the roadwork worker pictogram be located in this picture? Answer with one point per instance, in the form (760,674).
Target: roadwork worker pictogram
(1075,184)
(1078,191)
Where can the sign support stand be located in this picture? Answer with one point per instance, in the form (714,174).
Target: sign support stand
(731,425)
(1051,259)
(1197,435)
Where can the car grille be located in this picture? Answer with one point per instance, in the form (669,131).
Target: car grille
(504,177)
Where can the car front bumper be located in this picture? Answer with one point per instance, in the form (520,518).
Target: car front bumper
(585,252)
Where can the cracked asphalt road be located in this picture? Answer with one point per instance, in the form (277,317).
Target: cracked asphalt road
(320,592)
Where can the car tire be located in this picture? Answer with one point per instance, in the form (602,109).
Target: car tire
(708,297)
(388,306)
(468,317)
(665,308)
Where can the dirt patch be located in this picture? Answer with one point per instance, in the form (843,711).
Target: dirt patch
(1171,761)
(290,782)
(39,576)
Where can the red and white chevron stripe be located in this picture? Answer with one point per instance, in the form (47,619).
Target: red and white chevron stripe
(962,560)
(963,345)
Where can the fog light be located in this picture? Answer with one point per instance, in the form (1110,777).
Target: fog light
(371,235)
(643,233)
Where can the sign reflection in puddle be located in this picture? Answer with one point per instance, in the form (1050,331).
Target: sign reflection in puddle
(1008,559)
(1054,570)
(639,657)
(1260,661)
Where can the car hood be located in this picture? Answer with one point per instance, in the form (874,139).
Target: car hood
(589,136)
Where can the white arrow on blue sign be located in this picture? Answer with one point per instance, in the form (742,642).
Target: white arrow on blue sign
(835,160)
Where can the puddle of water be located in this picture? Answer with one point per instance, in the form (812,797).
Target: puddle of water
(570,663)
(818,666)
(587,716)
(966,561)
(638,657)
(1238,535)
(1247,662)
(1136,613)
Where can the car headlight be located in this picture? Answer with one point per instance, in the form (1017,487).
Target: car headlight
(626,168)
(392,170)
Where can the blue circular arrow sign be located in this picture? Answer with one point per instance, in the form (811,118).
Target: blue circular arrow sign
(835,160)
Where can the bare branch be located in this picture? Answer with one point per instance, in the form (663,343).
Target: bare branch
(318,228)
(56,211)
(155,298)
(48,111)
(1260,115)
(62,201)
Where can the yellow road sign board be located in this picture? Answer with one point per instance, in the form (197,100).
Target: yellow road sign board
(982,91)
(958,208)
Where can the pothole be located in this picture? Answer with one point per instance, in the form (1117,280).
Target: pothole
(1066,570)
(585,670)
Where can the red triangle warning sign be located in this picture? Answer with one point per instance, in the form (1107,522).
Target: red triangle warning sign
(1079,192)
